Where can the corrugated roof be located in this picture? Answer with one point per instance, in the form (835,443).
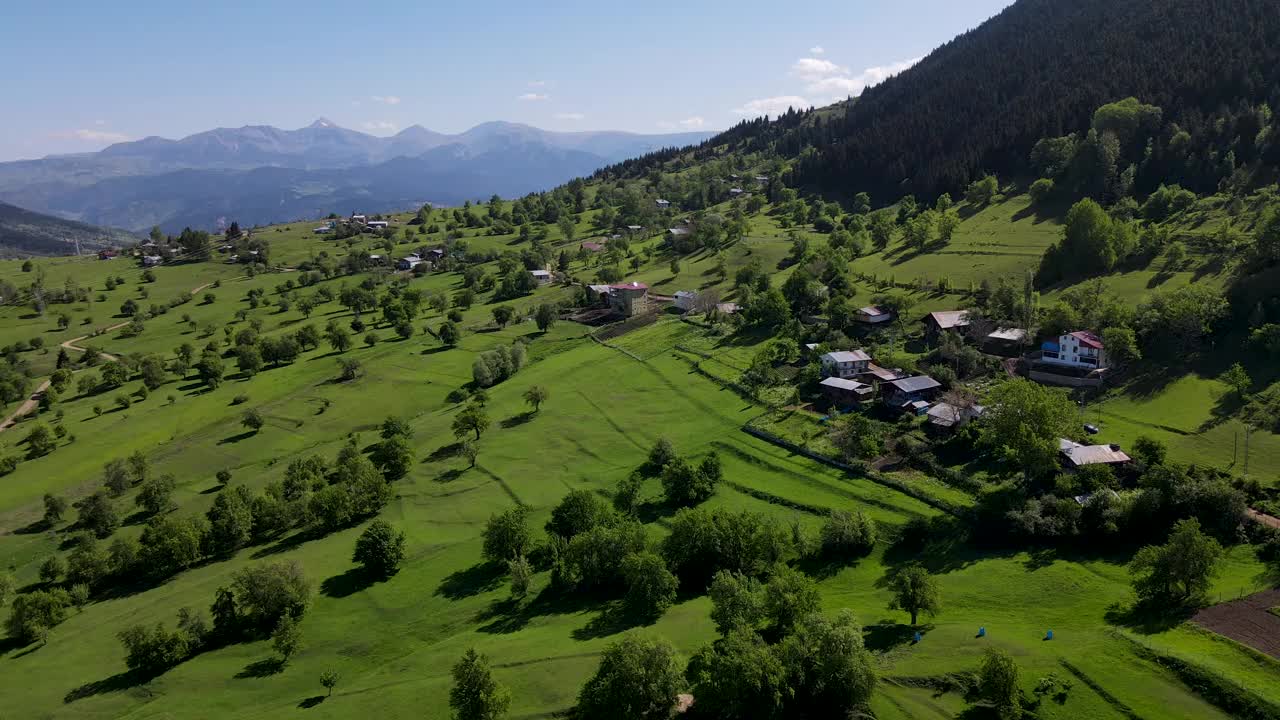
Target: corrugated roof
(1088,339)
(916,384)
(1081,455)
(1009,334)
(848,356)
(630,286)
(872,310)
(843,384)
(947,319)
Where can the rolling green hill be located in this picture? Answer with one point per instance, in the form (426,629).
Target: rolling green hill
(234,417)
(24,233)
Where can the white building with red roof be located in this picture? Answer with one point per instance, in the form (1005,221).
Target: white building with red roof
(1080,349)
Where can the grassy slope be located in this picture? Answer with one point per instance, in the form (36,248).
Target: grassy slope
(393,642)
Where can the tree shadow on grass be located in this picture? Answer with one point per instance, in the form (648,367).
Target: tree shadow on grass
(437,349)
(261,668)
(614,617)
(231,439)
(348,583)
(479,578)
(444,452)
(450,475)
(115,683)
(34,528)
(510,615)
(517,420)
(824,566)
(311,702)
(1147,619)
(887,635)
(287,543)
(9,644)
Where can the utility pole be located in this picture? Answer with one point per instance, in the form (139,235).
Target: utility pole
(1247,430)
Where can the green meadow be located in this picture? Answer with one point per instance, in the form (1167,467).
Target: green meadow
(394,641)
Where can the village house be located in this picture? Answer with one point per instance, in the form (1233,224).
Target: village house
(913,394)
(107,254)
(542,276)
(685,300)
(936,323)
(872,315)
(358,219)
(845,363)
(151,260)
(1075,456)
(677,233)
(634,229)
(662,204)
(735,192)
(1005,341)
(1081,349)
(945,416)
(377,224)
(841,392)
(628,299)
(762,179)
(408,262)
(727,308)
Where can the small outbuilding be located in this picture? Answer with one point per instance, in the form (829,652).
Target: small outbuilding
(1075,456)
(872,315)
(908,393)
(842,392)
(936,323)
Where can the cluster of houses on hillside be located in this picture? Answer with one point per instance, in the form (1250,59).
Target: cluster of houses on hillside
(362,222)
(851,379)
(1077,358)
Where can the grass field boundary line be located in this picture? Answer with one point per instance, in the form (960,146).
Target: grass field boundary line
(624,351)
(1115,702)
(605,416)
(549,658)
(875,477)
(1215,688)
(505,487)
(1143,423)
(746,457)
(778,500)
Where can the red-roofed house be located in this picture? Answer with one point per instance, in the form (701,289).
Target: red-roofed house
(1080,349)
(628,298)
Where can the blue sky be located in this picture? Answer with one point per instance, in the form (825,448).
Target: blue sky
(81,75)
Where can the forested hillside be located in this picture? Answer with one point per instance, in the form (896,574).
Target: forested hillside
(1039,69)
(23,232)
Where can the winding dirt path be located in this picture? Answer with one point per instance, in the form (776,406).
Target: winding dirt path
(31,402)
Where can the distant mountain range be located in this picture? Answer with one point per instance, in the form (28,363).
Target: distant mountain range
(23,233)
(260,174)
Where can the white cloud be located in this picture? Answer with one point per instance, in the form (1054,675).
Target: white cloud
(689,123)
(772,105)
(537,83)
(810,69)
(817,50)
(533,97)
(823,77)
(379,125)
(386,99)
(570,116)
(94,136)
